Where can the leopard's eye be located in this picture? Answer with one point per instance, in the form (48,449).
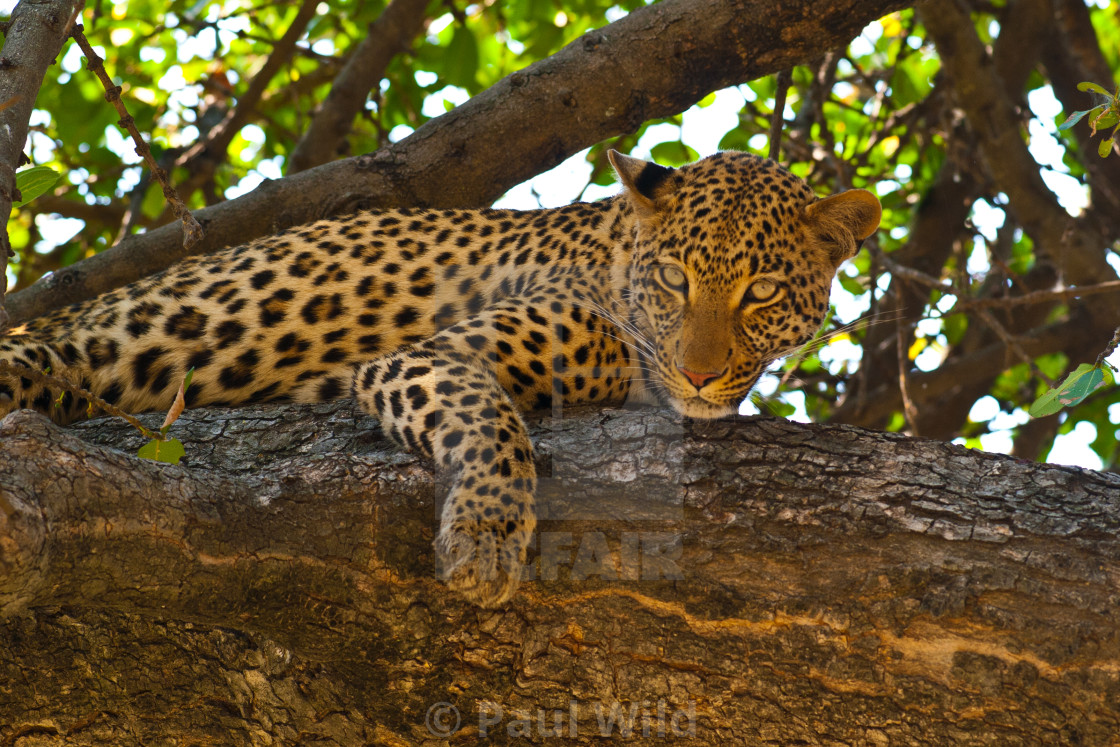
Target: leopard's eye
(760,291)
(672,278)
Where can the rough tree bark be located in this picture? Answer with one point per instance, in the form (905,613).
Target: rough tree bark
(744,582)
(32,37)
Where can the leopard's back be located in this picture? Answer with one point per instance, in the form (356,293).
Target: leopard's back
(288,317)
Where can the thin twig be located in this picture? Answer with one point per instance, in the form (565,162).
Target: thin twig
(908,408)
(965,305)
(777,119)
(909,273)
(192,231)
(1109,349)
(1013,344)
(204,156)
(980,307)
(1042,296)
(53,381)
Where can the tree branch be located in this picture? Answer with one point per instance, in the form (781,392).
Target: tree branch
(34,36)
(1073,246)
(599,86)
(986,87)
(192,231)
(1073,55)
(1073,336)
(204,157)
(778,578)
(939,222)
(936,224)
(391,33)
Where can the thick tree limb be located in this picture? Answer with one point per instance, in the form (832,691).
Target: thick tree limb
(835,585)
(392,32)
(601,85)
(1075,247)
(987,87)
(34,36)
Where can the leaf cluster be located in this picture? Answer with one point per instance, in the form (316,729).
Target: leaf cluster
(1104,115)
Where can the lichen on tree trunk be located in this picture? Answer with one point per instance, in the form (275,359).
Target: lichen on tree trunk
(736,582)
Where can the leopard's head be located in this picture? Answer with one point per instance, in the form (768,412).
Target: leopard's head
(732,265)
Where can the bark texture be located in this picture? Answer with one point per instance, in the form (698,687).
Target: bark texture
(32,37)
(740,582)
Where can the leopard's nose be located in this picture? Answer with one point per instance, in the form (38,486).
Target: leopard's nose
(699,380)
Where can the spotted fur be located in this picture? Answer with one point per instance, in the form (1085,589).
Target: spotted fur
(447,324)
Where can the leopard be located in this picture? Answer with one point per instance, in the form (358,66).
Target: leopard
(449,326)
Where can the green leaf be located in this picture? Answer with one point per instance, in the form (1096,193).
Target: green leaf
(903,89)
(1091,381)
(1084,380)
(1088,85)
(673,153)
(1073,119)
(1105,147)
(1073,393)
(1051,364)
(779,408)
(169,451)
(1106,120)
(954,327)
(1047,404)
(851,283)
(736,139)
(33,182)
(462,58)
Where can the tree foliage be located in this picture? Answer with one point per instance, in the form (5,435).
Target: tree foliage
(993,277)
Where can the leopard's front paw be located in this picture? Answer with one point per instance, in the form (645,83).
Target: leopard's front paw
(484,562)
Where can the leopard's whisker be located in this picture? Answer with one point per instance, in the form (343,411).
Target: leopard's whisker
(640,343)
(817,343)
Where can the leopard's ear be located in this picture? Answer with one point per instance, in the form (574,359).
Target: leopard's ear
(644,181)
(841,222)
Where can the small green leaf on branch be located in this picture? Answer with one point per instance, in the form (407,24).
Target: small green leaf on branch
(33,182)
(1073,119)
(169,451)
(1088,85)
(161,448)
(1085,379)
